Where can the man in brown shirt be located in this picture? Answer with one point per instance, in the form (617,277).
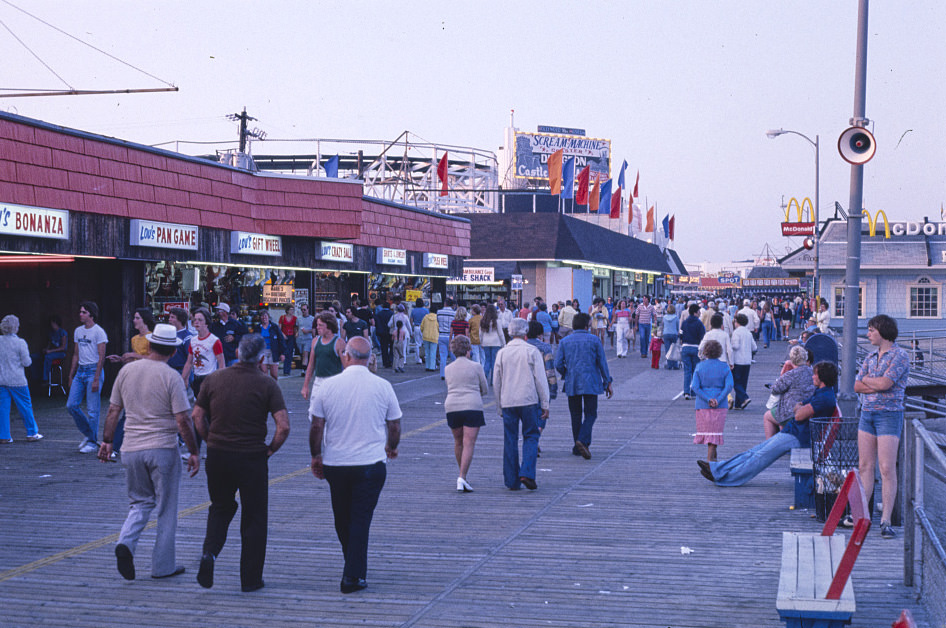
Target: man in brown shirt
(230,414)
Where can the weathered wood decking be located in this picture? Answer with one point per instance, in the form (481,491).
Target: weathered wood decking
(598,544)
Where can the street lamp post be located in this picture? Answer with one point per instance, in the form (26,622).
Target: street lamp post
(772,134)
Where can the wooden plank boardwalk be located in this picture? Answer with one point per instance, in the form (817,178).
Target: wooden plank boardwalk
(598,544)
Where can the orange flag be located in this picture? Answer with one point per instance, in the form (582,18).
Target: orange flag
(650,220)
(595,197)
(555,171)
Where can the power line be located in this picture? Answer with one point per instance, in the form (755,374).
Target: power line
(36,56)
(73,37)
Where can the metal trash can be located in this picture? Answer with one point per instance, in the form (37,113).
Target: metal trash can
(833,454)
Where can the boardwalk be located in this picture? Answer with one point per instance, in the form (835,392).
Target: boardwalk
(598,544)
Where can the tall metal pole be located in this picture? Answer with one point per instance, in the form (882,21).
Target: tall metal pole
(847,400)
(815,288)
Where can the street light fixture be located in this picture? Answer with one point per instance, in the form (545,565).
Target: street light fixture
(772,134)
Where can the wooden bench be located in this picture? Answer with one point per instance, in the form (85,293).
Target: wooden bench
(802,474)
(814,589)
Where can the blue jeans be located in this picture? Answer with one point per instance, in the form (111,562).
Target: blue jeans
(690,358)
(529,416)
(48,360)
(355,491)
(443,348)
(768,332)
(740,379)
(581,429)
(19,395)
(669,340)
(430,355)
(290,349)
(743,467)
(476,354)
(82,389)
(489,361)
(643,330)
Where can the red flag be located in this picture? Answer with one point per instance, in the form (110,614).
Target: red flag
(442,174)
(555,171)
(650,220)
(581,198)
(595,197)
(630,210)
(616,204)
(636,181)
(672,218)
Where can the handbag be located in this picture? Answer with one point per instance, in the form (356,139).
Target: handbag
(772,403)
(628,334)
(675,352)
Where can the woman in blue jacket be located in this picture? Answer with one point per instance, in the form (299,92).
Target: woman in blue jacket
(712,382)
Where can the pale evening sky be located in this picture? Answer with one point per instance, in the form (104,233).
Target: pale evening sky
(685,90)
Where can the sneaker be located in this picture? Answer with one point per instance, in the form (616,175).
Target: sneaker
(88,448)
(886,531)
(847,521)
(85,441)
(6,441)
(34,437)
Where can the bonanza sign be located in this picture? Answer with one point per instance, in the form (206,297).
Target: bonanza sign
(533,149)
(163,235)
(799,228)
(34,222)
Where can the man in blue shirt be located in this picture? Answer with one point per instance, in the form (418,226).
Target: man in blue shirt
(796,433)
(543,318)
(418,312)
(691,335)
(581,361)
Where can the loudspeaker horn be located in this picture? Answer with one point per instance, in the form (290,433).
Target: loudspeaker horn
(856,145)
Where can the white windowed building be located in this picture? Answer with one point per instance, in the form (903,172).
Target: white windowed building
(903,275)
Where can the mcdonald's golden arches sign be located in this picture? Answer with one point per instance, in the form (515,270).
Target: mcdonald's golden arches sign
(799,228)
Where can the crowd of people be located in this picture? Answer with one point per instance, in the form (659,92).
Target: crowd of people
(201,378)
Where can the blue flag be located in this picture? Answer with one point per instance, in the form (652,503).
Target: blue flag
(568,178)
(604,206)
(666,225)
(331,167)
(621,176)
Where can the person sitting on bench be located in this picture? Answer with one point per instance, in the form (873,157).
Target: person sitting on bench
(796,433)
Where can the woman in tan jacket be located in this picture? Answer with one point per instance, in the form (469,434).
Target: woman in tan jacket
(466,387)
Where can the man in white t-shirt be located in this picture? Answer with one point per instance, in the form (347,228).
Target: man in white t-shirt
(85,376)
(356,427)
(156,409)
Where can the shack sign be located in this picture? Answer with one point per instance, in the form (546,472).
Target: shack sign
(478,274)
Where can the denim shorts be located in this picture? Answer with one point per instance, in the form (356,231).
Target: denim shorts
(881,422)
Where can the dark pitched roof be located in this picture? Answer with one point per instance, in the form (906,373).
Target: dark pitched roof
(524,236)
(676,261)
(767,272)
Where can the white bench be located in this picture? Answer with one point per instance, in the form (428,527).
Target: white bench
(814,589)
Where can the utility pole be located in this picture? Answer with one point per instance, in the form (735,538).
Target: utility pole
(243,118)
(847,399)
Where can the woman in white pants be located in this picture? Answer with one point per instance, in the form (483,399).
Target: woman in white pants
(621,325)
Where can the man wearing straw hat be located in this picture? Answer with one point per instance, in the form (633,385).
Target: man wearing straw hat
(156,411)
